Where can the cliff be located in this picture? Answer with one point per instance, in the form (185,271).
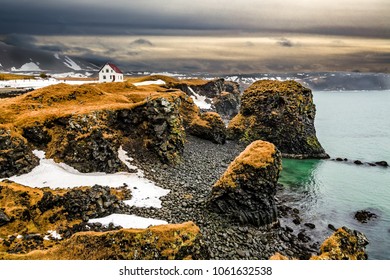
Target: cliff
(279,112)
(84,126)
(222,96)
(245,192)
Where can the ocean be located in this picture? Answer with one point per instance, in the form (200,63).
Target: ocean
(353,125)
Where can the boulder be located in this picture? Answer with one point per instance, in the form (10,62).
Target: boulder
(227,104)
(364,216)
(209,126)
(279,112)
(245,192)
(382,163)
(344,244)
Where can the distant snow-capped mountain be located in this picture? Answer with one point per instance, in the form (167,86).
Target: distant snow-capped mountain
(16,59)
(327,81)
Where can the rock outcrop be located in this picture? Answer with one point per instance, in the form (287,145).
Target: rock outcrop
(174,242)
(16,155)
(224,96)
(227,104)
(344,244)
(209,126)
(246,190)
(31,210)
(84,126)
(281,113)
(85,142)
(29,216)
(158,124)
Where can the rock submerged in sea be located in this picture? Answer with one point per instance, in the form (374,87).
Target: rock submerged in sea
(279,112)
(344,244)
(245,192)
(364,216)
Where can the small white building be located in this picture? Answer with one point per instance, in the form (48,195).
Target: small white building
(110,73)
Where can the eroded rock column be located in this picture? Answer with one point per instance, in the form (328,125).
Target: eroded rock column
(246,190)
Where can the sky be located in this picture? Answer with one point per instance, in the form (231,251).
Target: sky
(244,36)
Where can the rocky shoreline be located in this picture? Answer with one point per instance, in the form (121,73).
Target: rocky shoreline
(190,184)
(241,215)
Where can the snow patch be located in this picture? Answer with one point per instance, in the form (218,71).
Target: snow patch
(52,234)
(60,175)
(56,55)
(128,221)
(39,83)
(199,100)
(70,75)
(147,83)
(71,64)
(30,66)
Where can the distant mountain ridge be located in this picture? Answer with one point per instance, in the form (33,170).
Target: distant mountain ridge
(324,81)
(32,60)
(17,59)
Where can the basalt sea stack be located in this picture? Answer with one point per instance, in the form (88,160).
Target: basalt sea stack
(281,113)
(246,190)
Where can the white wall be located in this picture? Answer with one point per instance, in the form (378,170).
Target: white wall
(107,75)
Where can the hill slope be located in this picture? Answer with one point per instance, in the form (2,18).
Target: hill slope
(18,59)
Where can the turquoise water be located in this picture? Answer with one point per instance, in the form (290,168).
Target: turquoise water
(353,125)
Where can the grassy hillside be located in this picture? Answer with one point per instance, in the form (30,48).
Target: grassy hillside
(7,77)
(62,100)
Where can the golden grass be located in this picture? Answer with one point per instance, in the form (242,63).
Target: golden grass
(340,245)
(274,86)
(127,243)
(259,154)
(151,78)
(7,77)
(62,100)
(16,199)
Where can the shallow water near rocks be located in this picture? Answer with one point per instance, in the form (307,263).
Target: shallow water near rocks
(353,125)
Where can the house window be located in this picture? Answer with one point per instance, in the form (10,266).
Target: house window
(107,70)
(110,77)
(112,71)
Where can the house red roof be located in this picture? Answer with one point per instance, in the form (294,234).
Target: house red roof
(113,66)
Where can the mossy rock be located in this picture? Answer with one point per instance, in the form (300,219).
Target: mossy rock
(279,112)
(166,242)
(245,192)
(344,244)
(209,126)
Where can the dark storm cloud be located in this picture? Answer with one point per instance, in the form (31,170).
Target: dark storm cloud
(181,17)
(20,40)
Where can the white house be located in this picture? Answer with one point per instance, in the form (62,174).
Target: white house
(110,73)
